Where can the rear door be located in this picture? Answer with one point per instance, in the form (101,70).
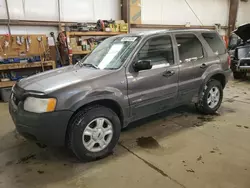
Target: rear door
(209,57)
(191,54)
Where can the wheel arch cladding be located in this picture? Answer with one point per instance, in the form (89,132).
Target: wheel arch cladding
(219,77)
(113,105)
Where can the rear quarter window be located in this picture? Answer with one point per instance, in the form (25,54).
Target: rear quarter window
(215,43)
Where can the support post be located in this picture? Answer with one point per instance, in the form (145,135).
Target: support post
(125,12)
(8,15)
(233,10)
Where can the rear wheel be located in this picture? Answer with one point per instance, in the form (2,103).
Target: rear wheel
(239,75)
(211,98)
(94,132)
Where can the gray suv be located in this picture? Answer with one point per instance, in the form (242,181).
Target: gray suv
(126,78)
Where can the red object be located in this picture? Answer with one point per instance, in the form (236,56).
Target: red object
(225,38)
(70,51)
(229,61)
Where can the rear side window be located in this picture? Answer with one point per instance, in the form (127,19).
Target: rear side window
(190,47)
(215,43)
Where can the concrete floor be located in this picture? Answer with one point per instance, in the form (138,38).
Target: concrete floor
(176,149)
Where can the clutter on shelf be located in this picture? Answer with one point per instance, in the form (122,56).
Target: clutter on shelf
(81,38)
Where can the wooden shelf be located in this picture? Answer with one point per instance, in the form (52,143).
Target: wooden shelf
(7,84)
(12,66)
(80,52)
(94,33)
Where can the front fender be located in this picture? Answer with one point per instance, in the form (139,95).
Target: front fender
(80,99)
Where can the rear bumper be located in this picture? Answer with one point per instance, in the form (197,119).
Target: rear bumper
(227,74)
(46,128)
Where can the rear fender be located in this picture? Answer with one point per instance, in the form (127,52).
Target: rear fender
(208,74)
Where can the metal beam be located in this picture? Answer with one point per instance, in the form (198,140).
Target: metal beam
(156,26)
(233,10)
(125,10)
(59,15)
(8,15)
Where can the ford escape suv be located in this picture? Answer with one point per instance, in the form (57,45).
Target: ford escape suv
(126,78)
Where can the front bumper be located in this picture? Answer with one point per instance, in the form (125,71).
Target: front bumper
(46,128)
(243,68)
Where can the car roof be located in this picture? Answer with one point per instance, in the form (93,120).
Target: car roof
(156,32)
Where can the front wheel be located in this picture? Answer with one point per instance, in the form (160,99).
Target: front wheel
(211,98)
(94,132)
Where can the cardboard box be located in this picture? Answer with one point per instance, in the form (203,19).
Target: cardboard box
(79,48)
(135,11)
(73,41)
(73,46)
(124,27)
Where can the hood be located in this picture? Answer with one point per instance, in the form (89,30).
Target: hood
(50,81)
(243,32)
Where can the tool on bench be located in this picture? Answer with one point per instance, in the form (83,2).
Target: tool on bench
(28,42)
(40,40)
(20,40)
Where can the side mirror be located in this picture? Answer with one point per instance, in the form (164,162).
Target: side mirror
(142,65)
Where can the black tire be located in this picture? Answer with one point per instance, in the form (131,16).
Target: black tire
(78,125)
(239,75)
(202,106)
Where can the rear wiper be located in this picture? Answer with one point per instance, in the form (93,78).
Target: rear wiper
(90,65)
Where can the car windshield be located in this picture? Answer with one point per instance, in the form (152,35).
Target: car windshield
(244,52)
(111,53)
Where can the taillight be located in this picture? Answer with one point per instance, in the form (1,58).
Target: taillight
(229,61)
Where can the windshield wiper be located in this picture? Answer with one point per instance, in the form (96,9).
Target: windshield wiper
(110,68)
(90,65)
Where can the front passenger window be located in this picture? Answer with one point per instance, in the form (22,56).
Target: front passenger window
(159,50)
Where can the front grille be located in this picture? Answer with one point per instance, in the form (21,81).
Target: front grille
(17,94)
(244,62)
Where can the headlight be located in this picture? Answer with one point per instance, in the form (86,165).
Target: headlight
(39,105)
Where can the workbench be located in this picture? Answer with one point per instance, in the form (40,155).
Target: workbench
(14,66)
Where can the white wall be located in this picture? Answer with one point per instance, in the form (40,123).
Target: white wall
(177,12)
(47,10)
(90,10)
(24,30)
(243,13)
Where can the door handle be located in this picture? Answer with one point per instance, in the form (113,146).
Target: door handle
(203,66)
(169,73)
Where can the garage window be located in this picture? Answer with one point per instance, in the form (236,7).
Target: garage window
(215,43)
(190,47)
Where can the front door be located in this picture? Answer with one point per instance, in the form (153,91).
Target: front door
(152,91)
